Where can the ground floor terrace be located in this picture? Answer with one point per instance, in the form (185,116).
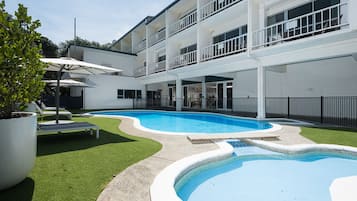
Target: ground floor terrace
(321,91)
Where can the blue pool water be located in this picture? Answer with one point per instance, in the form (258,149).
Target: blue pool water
(254,174)
(197,123)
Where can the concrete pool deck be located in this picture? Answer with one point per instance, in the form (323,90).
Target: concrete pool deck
(134,182)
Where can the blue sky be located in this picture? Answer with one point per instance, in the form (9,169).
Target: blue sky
(97,20)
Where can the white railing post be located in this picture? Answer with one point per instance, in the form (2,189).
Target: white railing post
(294,28)
(224,48)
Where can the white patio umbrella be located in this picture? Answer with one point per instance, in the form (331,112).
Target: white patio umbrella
(66,83)
(74,66)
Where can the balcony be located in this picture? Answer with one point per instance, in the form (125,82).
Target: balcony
(158,37)
(140,71)
(225,48)
(183,23)
(315,23)
(140,46)
(158,67)
(184,60)
(215,6)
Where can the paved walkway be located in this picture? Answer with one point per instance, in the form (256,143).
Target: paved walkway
(134,183)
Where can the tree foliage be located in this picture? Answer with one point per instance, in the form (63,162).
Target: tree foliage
(49,49)
(21,70)
(63,46)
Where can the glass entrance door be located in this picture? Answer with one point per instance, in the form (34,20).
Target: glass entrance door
(229,95)
(220,96)
(185,96)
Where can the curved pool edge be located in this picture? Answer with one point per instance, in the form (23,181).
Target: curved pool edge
(303,148)
(163,187)
(137,125)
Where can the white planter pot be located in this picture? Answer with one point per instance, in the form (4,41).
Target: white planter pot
(18,145)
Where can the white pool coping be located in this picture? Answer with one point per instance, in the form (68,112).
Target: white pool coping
(137,125)
(163,187)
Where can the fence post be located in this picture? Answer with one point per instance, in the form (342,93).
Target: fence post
(322,110)
(288,107)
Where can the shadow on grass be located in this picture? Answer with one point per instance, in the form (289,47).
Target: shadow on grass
(65,142)
(23,191)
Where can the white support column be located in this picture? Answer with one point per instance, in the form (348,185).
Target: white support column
(178,94)
(198,32)
(204,94)
(351,13)
(147,50)
(261,92)
(167,31)
(225,95)
(250,27)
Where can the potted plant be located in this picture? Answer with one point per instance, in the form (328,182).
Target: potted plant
(21,72)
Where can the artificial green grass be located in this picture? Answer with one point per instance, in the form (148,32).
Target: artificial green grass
(331,136)
(77,166)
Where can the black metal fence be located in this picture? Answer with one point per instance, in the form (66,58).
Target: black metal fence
(67,102)
(336,110)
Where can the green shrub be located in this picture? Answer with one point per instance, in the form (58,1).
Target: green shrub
(21,70)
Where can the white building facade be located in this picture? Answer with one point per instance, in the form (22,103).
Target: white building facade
(245,55)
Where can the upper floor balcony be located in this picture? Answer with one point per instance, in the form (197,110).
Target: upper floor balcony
(225,48)
(184,60)
(215,6)
(183,23)
(157,67)
(140,46)
(158,37)
(140,71)
(318,22)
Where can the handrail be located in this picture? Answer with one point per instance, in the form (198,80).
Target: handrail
(184,60)
(225,48)
(140,46)
(158,67)
(183,23)
(158,37)
(300,26)
(215,6)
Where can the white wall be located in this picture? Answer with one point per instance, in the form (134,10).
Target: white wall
(125,62)
(333,77)
(104,94)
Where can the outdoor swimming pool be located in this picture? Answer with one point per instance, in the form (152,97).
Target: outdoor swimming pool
(254,174)
(192,123)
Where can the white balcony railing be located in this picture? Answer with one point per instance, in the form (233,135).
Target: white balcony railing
(225,48)
(158,67)
(183,23)
(140,46)
(184,60)
(157,37)
(215,6)
(140,71)
(318,22)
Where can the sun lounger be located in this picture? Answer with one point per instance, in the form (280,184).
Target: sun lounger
(53,113)
(45,107)
(77,126)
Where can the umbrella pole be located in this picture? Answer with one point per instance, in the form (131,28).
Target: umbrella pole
(57,93)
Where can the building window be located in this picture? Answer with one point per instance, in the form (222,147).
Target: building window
(161,58)
(300,10)
(188,49)
(138,94)
(129,94)
(120,93)
(230,34)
